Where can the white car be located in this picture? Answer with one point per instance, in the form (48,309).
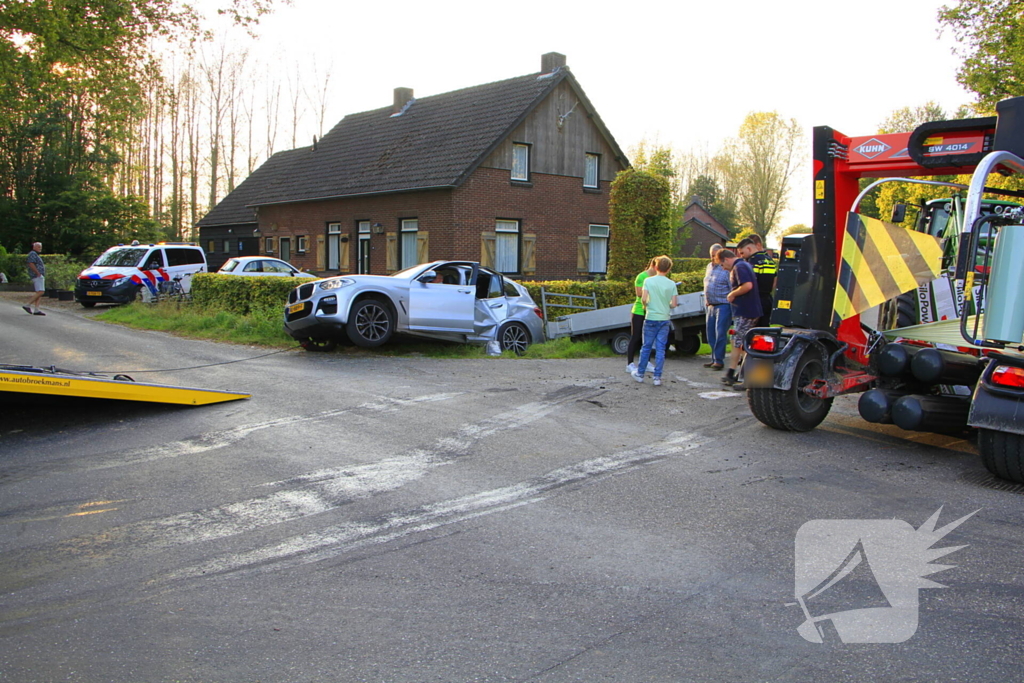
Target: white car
(451,300)
(261,266)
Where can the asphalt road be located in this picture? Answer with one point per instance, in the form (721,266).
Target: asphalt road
(409,519)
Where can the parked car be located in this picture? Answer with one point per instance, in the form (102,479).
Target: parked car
(261,266)
(451,300)
(123,274)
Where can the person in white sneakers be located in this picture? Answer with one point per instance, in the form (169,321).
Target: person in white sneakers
(636,320)
(660,296)
(37,272)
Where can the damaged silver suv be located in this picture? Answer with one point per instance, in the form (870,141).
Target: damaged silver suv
(450,300)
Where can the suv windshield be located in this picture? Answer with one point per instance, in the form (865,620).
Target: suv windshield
(121,257)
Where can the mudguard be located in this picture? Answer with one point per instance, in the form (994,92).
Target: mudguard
(793,342)
(995,407)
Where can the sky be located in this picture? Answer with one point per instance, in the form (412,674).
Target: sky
(682,74)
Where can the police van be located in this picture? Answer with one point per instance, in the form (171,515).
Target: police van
(139,272)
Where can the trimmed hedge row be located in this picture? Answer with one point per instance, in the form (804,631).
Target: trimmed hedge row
(240,294)
(244,295)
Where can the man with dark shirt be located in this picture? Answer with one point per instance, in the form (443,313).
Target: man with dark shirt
(746,306)
(751,250)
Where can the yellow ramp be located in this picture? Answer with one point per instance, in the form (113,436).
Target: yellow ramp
(55,383)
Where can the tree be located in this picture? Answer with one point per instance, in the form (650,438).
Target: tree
(990,39)
(81,107)
(760,164)
(640,208)
(706,188)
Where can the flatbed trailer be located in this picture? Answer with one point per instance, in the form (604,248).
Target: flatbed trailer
(21,380)
(612,324)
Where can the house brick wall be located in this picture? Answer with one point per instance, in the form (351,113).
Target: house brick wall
(554,208)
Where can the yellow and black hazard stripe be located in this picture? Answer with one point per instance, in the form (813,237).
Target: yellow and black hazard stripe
(881,261)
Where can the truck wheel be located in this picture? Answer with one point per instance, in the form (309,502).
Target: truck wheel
(689,345)
(370,323)
(1003,454)
(791,409)
(620,342)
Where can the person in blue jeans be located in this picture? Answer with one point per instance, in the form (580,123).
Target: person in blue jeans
(719,310)
(660,297)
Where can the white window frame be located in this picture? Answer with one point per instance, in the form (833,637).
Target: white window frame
(507,251)
(333,246)
(591,171)
(301,244)
(407,243)
(599,235)
(363,229)
(268,245)
(520,161)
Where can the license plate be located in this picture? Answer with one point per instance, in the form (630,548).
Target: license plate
(758,372)
(94,293)
(295,308)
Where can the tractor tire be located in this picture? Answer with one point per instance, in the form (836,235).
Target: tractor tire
(792,410)
(1002,454)
(899,312)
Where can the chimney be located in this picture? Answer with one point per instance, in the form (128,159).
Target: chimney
(551,61)
(402,97)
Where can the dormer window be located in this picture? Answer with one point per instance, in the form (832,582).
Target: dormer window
(590,171)
(520,161)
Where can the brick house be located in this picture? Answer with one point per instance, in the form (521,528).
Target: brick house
(514,174)
(704,230)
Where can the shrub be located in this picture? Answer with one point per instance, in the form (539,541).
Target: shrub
(241,294)
(608,292)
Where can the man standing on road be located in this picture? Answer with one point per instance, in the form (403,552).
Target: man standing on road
(719,311)
(659,297)
(751,250)
(37,272)
(746,306)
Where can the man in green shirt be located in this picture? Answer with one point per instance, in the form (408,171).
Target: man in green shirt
(660,297)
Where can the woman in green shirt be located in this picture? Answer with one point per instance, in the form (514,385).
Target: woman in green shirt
(636,323)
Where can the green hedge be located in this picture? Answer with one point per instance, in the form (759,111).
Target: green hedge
(609,292)
(241,294)
(61,271)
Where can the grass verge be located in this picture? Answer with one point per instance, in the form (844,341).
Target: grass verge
(264,328)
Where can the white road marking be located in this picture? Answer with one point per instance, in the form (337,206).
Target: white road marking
(312,493)
(342,538)
(214,440)
(715,395)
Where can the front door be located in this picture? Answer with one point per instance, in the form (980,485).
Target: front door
(446,305)
(364,254)
(286,248)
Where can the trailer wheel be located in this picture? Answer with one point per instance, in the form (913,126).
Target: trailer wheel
(689,345)
(791,409)
(620,342)
(1003,454)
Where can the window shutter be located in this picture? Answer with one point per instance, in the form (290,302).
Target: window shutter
(583,255)
(343,256)
(529,254)
(487,249)
(422,246)
(391,252)
(321,253)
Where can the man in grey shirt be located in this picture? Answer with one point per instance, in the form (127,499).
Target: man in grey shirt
(37,272)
